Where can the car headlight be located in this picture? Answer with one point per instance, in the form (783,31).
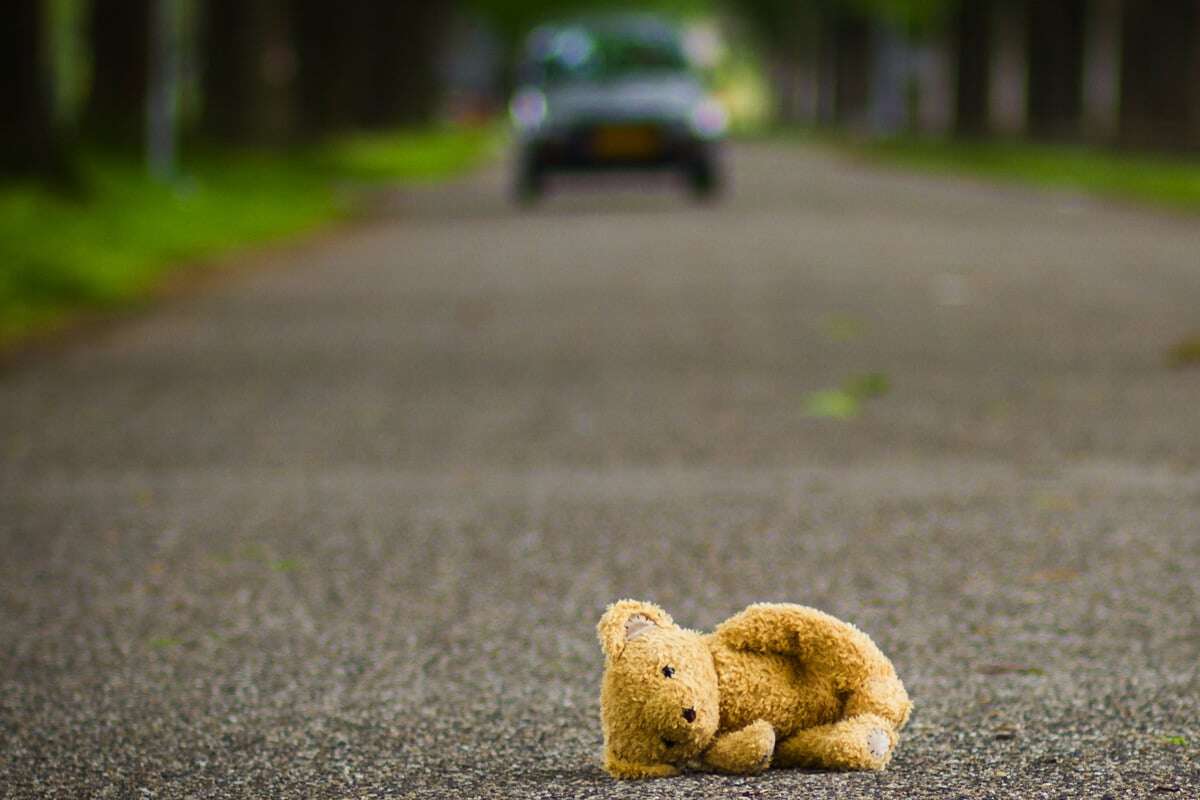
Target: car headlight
(709,119)
(529,109)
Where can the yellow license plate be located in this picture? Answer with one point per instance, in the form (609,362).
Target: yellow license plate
(627,141)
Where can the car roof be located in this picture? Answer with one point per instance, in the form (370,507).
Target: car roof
(631,24)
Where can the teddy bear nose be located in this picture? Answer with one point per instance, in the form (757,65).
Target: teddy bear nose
(689,714)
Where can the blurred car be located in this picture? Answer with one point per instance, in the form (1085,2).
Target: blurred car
(613,92)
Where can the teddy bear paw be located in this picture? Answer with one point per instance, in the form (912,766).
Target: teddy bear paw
(762,744)
(879,743)
(744,752)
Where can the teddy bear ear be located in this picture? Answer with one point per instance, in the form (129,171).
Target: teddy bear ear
(626,620)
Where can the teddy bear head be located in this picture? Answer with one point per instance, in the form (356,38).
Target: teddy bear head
(659,700)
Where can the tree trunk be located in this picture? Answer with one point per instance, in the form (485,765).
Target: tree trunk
(334,52)
(1161,43)
(852,60)
(1008,81)
(827,77)
(30,142)
(247,61)
(934,75)
(1102,71)
(1056,42)
(401,64)
(322,39)
(794,83)
(973,43)
(120,38)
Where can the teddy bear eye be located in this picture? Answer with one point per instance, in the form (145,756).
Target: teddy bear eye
(668,671)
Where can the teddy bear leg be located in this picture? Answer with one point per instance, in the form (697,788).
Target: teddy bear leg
(630,770)
(883,696)
(742,752)
(862,742)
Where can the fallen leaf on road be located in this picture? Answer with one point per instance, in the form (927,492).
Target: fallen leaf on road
(1057,503)
(1061,575)
(1174,741)
(832,404)
(841,328)
(845,403)
(1185,352)
(1009,669)
(864,387)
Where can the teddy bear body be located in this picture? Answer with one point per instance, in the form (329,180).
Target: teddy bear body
(771,687)
(777,684)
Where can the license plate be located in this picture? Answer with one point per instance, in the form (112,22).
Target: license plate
(626,141)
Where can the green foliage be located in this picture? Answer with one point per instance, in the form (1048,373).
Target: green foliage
(407,155)
(59,254)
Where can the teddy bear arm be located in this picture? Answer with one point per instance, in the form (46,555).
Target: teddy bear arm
(630,770)
(742,752)
(760,628)
(809,635)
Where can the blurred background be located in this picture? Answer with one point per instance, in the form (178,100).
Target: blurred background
(341,524)
(122,113)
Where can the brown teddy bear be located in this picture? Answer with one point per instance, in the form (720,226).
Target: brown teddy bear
(776,685)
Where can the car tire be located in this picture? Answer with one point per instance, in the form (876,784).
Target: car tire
(530,183)
(703,178)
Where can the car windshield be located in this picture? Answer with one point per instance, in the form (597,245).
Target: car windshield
(600,53)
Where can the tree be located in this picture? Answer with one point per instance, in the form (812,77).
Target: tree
(851,35)
(1160,104)
(371,63)
(119,32)
(1056,40)
(330,58)
(399,70)
(839,36)
(972,42)
(246,56)
(30,141)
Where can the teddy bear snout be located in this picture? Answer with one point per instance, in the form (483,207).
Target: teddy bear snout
(689,714)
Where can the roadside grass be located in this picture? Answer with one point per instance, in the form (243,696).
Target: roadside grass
(60,256)
(415,156)
(1163,180)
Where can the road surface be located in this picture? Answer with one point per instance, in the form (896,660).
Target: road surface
(342,524)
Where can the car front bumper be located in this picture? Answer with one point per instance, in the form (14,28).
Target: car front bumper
(616,145)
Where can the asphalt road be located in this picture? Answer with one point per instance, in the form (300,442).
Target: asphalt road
(341,525)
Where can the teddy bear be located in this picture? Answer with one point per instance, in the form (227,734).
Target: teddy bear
(777,684)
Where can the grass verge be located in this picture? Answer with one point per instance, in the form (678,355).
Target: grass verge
(61,256)
(1166,181)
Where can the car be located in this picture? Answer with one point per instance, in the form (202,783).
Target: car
(613,92)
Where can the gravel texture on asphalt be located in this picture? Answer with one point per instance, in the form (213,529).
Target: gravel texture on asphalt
(342,526)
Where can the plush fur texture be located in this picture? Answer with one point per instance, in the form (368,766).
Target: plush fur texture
(776,685)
